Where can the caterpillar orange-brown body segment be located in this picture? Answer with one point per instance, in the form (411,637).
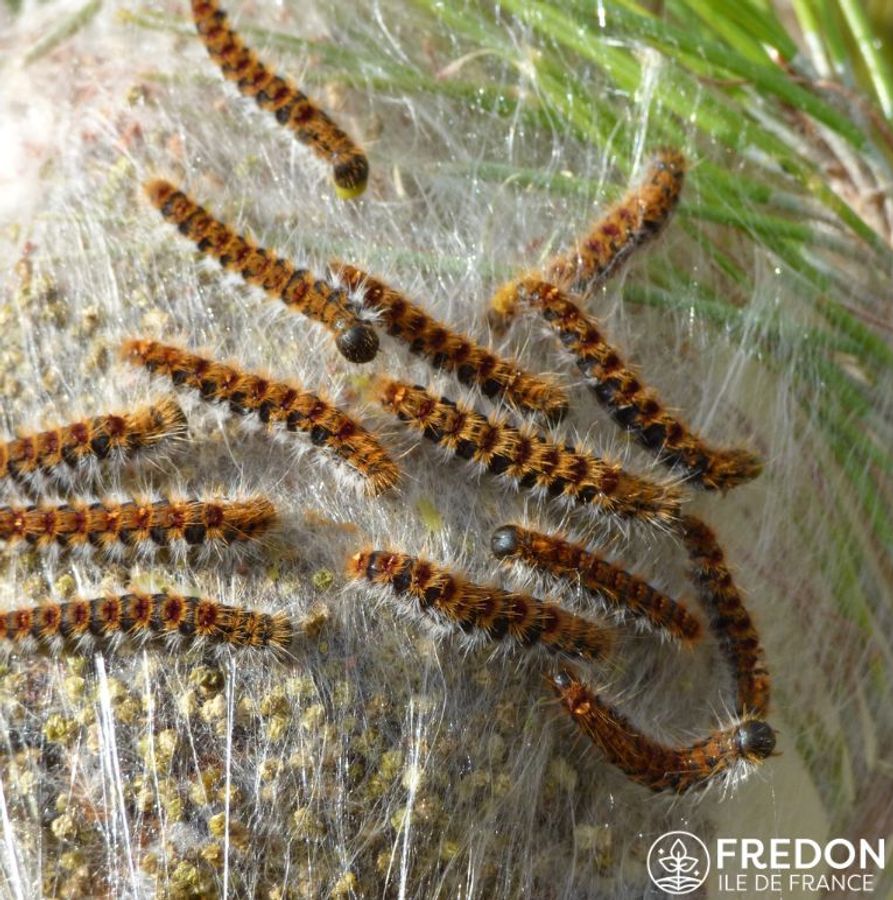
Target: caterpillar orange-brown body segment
(138,615)
(526,458)
(496,613)
(355,339)
(728,617)
(114,527)
(651,763)
(293,109)
(620,589)
(633,405)
(64,453)
(446,349)
(631,222)
(273,402)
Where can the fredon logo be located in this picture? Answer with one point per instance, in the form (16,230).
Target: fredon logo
(678,863)
(782,865)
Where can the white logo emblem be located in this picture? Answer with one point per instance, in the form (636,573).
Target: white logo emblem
(678,862)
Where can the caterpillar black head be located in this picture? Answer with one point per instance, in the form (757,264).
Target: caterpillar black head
(359,343)
(755,740)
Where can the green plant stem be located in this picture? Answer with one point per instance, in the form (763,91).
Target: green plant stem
(875,62)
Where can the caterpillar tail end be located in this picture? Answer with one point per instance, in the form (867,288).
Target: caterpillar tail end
(356,566)
(731,468)
(350,191)
(158,191)
(504,303)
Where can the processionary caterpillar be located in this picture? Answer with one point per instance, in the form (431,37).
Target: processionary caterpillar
(356,340)
(635,219)
(72,450)
(273,402)
(280,96)
(653,764)
(139,616)
(728,617)
(632,405)
(496,376)
(144,526)
(496,613)
(526,458)
(620,589)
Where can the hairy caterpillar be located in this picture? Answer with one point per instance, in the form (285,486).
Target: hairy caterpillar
(355,339)
(458,353)
(273,402)
(139,616)
(655,765)
(144,526)
(632,405)
(635,219)
(307,122)
(623,591)
(498,614)
(728,617)
(526,458)
(73,450)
